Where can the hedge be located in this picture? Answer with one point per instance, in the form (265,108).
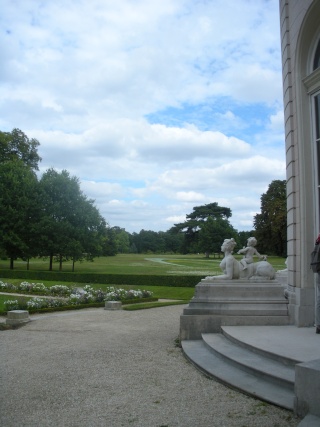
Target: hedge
(109,279)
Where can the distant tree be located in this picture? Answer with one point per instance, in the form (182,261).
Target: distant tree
(109,247)
(212,234)
(243,236)
(133,248)
(155,241)
(122,240)
(196,220)
(173,241)
(16,145)
(148,241)
(271,224)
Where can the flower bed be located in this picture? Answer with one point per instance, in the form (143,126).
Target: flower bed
(71,297)
(114,294)
(36,288)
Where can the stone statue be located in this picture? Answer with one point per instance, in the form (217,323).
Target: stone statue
(249,253)
(233,269)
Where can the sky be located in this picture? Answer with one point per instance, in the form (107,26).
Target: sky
(156,106)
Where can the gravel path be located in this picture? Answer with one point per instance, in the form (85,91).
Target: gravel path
(115,369)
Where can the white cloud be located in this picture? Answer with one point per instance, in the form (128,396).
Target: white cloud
(127,148)
(176,219)
(85,77)
(277,121)
(102,190)
(190,196)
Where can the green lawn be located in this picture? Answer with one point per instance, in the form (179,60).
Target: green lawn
(166,292)
(139,264)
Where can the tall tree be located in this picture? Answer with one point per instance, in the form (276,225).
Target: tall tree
(71,225)
(271,224)
(196,220)
(90,231)
(20,210)
(16,145)
(212,234)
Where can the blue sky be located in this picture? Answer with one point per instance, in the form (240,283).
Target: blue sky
(156,107)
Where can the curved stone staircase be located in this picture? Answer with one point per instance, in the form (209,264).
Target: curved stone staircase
(252,370)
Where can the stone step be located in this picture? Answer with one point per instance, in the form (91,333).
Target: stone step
(233,303)
(240,379)
(238,308)
(244,358)
(272,352)
(239,290)
(310,421)
(193,324)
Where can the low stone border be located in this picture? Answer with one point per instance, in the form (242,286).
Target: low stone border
(17,317)
(113,305)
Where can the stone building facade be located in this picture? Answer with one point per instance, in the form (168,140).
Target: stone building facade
(300,42)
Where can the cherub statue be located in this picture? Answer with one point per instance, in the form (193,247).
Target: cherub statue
(249,253)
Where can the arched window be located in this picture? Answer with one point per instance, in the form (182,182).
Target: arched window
(316,60)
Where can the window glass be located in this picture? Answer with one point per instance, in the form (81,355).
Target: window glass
(317,116)
(317,135)
(316,61)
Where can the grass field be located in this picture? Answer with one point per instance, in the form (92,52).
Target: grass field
(139,264)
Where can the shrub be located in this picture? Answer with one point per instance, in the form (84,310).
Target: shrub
(75,297)
(36,288)
(116,279)
(11,305)
(7,287)
(61,290)
(113,294)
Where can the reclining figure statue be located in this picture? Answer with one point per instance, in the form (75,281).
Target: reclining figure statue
(246,268)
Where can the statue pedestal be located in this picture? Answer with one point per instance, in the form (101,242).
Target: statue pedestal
(233,303)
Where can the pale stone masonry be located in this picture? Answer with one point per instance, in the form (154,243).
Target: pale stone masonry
(300,35)
(17,317)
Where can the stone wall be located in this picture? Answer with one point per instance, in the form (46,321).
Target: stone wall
(300,25)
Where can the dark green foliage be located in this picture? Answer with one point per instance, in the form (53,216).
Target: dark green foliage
(205,229)
(109,242)
(108,279)
(16,145)
(212,234)
(149,241)
(242,238)
(51,217)
(20,210)
(71,225)
(121,239)
(271,223)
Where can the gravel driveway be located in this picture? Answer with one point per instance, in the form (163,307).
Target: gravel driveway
(115,369)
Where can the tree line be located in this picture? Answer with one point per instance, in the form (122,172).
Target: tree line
(208,225)
(51,217)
